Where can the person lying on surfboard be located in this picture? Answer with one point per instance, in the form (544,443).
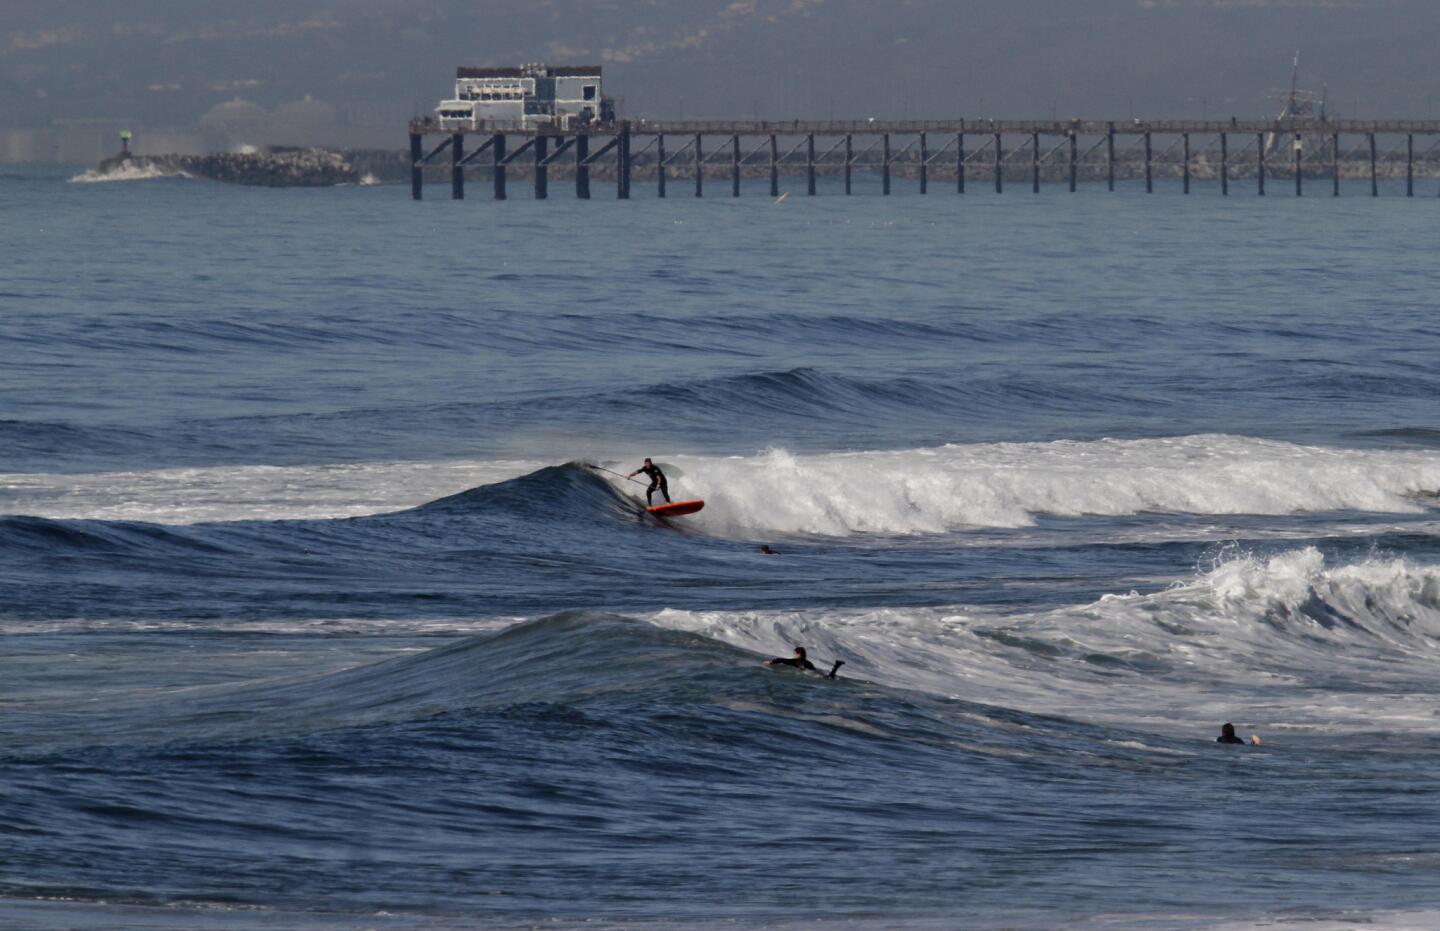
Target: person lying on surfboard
(800,662)
(657,480)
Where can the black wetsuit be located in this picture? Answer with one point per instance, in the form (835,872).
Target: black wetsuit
(793,661)
(1228,739)
(657,480)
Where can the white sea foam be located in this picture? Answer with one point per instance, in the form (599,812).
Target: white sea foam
(901,492)
(189,496)
(1007,485)
(1284,642)
(127,172)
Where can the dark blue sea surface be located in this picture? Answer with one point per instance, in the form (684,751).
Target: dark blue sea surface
(324,601)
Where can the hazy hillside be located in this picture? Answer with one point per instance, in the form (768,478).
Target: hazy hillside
(353,71)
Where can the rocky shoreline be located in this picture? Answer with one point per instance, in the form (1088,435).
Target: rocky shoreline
(272,167)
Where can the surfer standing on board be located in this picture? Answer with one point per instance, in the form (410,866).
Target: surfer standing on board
(657,480)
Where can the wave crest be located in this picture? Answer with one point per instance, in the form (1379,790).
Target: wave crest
(1006,485)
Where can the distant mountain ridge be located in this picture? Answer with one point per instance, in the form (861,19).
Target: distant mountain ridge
(307,72)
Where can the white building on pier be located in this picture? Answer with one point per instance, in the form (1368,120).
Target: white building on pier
(528,97)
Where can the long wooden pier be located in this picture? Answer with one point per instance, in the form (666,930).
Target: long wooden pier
(993,151)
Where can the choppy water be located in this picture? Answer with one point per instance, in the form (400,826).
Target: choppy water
(312,612)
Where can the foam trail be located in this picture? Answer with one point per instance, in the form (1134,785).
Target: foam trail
(1280,641)
(1006,485)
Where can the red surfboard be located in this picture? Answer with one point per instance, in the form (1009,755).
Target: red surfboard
(676,509)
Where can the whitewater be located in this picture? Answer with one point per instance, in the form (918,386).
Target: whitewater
(322,604)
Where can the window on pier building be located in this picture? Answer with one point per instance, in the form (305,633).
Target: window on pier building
(589,91)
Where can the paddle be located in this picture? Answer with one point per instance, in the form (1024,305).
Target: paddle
(616,474)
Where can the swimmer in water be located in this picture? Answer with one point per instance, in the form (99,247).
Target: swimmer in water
(800,662)
(1227,736)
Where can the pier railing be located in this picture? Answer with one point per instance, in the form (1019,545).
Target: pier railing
(958,151)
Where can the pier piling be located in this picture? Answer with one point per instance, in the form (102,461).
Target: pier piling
(1110,157)
(497,149)
(1374,177)
(1149,175)
(417,172)
(1074,159)
(774,166)
(924,165)
(1186,155)
(582,166)
(885,162)
(1224,164)
(1335,163)
(999,165)
(660,165)
(1409,164)
(542,170)
(735,165)
(1299,153)
(1035,163)
(699,168)
(810,165)
(622,176)
(959,163)
(457,167)
(849,159)
(1260,163)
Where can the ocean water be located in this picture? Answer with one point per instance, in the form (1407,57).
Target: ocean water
(314,612)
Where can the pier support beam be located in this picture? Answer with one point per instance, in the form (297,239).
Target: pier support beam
(660,166)
(959,163)
(497,150)
(1035,163)
(1374,177)
(1335,163)
(1149,175)
(699,168)
(1299,155)
(1260,162)
(1110,157)
(849,159)
(457,166)
(1074,159)
(924,165)
(885,164)
(735,165)
(582,170)
(810,165)
(417,171)
(1224,164)
(622,180)
(774,166)
(999,166)
(542,171)
(1409,164)
(1185,140)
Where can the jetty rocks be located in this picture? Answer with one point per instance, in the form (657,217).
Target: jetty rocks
(275,166)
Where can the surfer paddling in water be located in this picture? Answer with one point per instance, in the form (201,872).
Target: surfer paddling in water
(800,662)
(657,480)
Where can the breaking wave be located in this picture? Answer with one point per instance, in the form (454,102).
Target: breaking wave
(1281,641)
(1001,485)
(146,172)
